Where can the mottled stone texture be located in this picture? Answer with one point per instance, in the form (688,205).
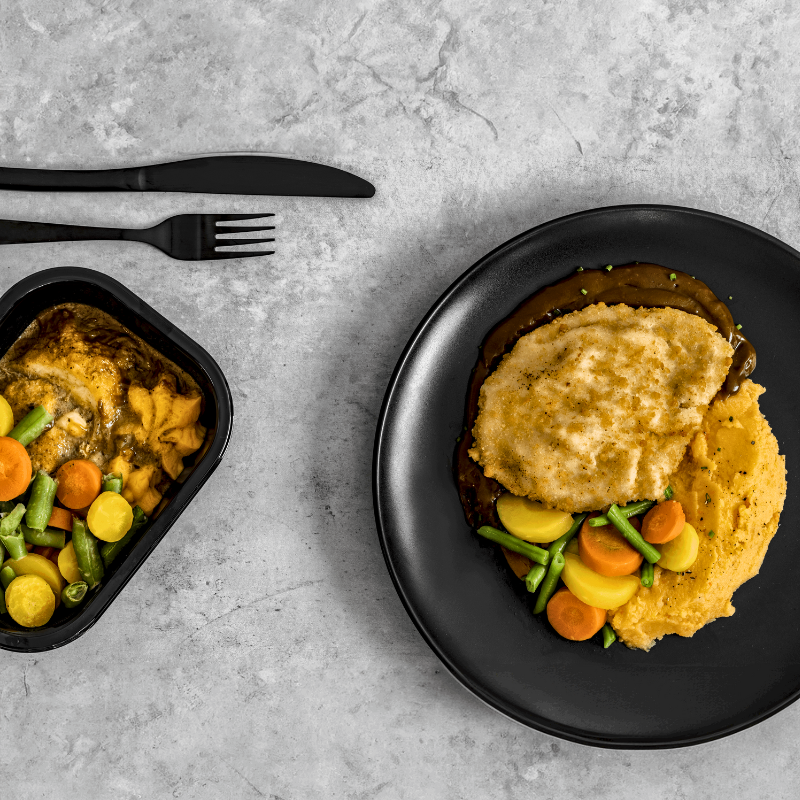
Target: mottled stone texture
(262,650)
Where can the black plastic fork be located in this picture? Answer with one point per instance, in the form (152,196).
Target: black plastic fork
(187,237)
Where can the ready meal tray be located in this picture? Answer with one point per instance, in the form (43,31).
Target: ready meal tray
(18,308)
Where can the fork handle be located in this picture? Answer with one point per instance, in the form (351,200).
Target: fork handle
(73,180)
(19,232)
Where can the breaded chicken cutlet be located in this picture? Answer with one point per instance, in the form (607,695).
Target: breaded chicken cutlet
(598,406)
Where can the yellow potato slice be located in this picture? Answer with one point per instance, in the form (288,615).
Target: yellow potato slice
(34,564)
(110,516)
(30,601)
(679,554)
(594,589)
(68,564)
(6,417)
(530,520)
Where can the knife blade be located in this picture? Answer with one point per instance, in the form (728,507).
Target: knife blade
(221,174)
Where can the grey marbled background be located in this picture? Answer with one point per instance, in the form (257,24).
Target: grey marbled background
(281,663)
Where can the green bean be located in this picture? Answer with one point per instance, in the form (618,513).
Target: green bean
(73,594)
(550,582)
(111,550)
(632,535)
(609,637)
(534,577)
(40,507)
(87,553)
(31,426)
(49,537)
(7,575)
(647,575)
(112,483)
(630,510)
(11,533)
(11,521)
(510,542)
(559,544)
(2,553)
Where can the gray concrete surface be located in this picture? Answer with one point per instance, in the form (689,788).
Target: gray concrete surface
(262,651)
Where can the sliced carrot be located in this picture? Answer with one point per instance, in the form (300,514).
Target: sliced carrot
(572,618)
(663,522)
(606,551)
(520,565)
(61,518)
(15,468)
(79,483)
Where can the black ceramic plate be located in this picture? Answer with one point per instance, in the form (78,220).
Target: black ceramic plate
(458,590)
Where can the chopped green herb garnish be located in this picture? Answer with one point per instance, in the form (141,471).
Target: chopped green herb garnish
(718,449)
(730,419)
(672,276)
(668,493)
(703,467)
(580,269)
(711,534)
(583,291)
(609,268)
(730,297)
(738,327)
(708,498)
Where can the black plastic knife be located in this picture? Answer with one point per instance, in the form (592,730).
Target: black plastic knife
(222,174)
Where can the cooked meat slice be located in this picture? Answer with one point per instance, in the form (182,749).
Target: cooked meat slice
(598,406)
(87,369)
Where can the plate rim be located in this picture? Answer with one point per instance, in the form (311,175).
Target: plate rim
(564,732)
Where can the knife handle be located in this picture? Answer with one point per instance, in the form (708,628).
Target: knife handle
(18,232)
(73,180)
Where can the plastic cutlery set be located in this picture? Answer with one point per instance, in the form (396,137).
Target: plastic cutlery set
(187,237)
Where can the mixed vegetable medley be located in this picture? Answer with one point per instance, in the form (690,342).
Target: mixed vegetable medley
(58,533)
(602,559)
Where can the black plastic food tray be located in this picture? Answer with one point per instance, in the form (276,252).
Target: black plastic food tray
(19,306)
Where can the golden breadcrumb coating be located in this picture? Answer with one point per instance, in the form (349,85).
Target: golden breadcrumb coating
(598,406)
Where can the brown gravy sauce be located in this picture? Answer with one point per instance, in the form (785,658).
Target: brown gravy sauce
(638,285)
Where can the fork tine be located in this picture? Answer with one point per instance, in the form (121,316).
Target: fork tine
(230,217)
(238,254)
(237,242)
(242,229)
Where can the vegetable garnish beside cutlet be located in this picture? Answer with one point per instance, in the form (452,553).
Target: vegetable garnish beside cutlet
(605,570)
